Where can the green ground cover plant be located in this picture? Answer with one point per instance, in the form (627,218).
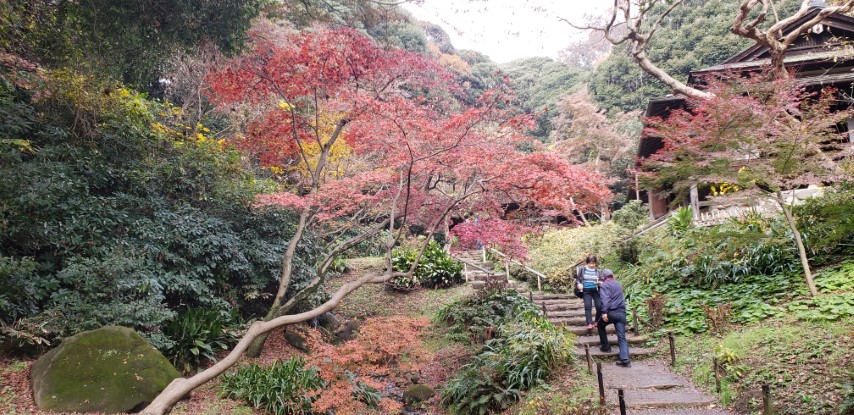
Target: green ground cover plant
(524,351)
(198,334)
(286,387)
(477,318)
(435,270)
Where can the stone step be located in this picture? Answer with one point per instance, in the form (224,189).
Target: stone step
(543,296)
(568,321)
(633,352)
(642,375)
(707,410)
(484,265)
(583,331)
(676,398)
(565,305)
(594,340)
(571,314)
(487,277)
(559,302)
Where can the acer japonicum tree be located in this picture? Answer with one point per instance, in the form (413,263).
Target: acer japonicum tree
(366,140)
(764,137)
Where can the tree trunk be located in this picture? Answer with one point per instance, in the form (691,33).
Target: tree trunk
(257,346)
(802,252)
(180,387)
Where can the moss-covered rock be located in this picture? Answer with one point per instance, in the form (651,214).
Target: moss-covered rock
(112,369)
(297,341)
(417,393)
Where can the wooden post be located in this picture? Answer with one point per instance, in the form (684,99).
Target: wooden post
(589,360)
(466,271)
(539,284)
(507,270)
(672,348)
(545,311)
(635,318)
(715,367)
(531,296)
(483,252)
(695,202)
(622,399)
(767,408)
(601,383)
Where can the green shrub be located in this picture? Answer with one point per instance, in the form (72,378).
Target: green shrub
(556,251)
(21,292)
(632,215)
(435,270)
(827,223)
(286,387)
(197,334)
(529,348)
(478,318)
(114,212)
(682,220)
(120,289)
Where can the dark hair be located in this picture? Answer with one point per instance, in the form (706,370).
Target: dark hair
(591,259)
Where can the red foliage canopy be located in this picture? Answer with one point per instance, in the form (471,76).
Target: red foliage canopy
(412,146)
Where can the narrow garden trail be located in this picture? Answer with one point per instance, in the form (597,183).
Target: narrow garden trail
(649,386)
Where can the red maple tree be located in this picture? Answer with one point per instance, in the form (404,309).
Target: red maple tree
(366,139)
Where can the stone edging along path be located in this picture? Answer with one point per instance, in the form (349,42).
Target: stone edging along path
(649,386)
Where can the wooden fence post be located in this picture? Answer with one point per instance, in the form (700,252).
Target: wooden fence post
(621,396)
(715,367)
(635,318)
(672,348)
(601,383)
(589,360)
(767,408)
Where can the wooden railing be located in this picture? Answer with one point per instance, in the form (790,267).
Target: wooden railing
(508,260)
(718,216)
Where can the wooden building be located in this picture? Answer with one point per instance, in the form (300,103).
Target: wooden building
(822,57)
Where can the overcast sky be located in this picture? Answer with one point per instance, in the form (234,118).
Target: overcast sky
(508,29)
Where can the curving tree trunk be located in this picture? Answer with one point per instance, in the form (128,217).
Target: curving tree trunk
(802,252)
(180,387)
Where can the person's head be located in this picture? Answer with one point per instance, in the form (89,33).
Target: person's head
(591,261)
(607,274)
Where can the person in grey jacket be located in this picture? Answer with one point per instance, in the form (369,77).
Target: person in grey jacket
(613,311)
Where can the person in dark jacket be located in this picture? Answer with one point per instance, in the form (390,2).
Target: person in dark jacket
(613,312)
(587,281)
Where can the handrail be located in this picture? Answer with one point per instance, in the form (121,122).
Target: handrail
(654,225)
(540,275)
(472,265)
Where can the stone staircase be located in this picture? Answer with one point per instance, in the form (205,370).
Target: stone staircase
(649,387)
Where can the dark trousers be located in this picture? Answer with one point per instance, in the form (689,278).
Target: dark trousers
(618,318)
(591,296)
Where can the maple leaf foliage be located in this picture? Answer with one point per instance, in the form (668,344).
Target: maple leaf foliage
(438,156)
(412,155)
(763,136)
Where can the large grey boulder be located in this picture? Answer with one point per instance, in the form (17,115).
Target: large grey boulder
(111,369)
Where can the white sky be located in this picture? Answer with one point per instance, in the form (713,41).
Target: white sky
(508,29)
